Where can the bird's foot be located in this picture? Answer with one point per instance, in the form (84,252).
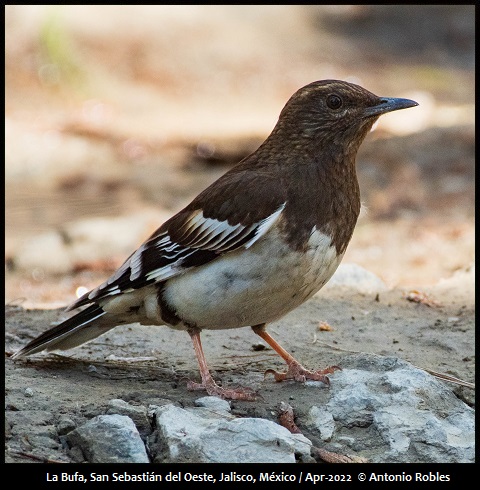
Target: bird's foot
(297,372)
(246,394)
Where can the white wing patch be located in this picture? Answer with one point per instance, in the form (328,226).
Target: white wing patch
(205,234)
(265,225)
(197,234)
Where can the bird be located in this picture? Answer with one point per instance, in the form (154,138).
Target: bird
(253,246)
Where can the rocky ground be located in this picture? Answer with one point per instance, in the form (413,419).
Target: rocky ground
(146,367)
(91,171)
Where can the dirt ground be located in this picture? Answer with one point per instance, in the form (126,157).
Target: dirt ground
(76,152)
(148,365)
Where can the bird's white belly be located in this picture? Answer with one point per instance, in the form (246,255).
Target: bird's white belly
(252,286)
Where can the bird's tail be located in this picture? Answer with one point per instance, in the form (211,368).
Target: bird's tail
(84,326)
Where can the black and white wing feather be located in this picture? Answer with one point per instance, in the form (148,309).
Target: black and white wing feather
(234,212)
(198,240)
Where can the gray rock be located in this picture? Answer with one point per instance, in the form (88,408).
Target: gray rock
(109,439)
(322,422)
(356,277)
(65,425)
(138,413)
(198,435)
(28,421)
(33,428)
(402,412)
(43,441)
(213,403)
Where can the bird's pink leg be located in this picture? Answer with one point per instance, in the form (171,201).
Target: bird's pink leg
(208,383)
(295,370)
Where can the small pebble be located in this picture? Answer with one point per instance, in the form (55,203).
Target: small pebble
(258,347)
(28,392)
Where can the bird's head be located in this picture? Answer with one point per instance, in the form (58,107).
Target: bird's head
(334,111)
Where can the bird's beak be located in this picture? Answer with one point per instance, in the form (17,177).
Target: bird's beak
(388,104)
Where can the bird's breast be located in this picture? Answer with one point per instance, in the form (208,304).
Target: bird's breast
(252,286)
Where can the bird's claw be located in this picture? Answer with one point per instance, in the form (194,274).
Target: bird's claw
(245,394)
(298,373)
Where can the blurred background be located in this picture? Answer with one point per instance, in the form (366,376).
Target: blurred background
(117,116)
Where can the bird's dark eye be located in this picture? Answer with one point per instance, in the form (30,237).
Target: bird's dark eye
(334,101)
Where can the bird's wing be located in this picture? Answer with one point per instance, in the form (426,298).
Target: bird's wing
(188,239)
